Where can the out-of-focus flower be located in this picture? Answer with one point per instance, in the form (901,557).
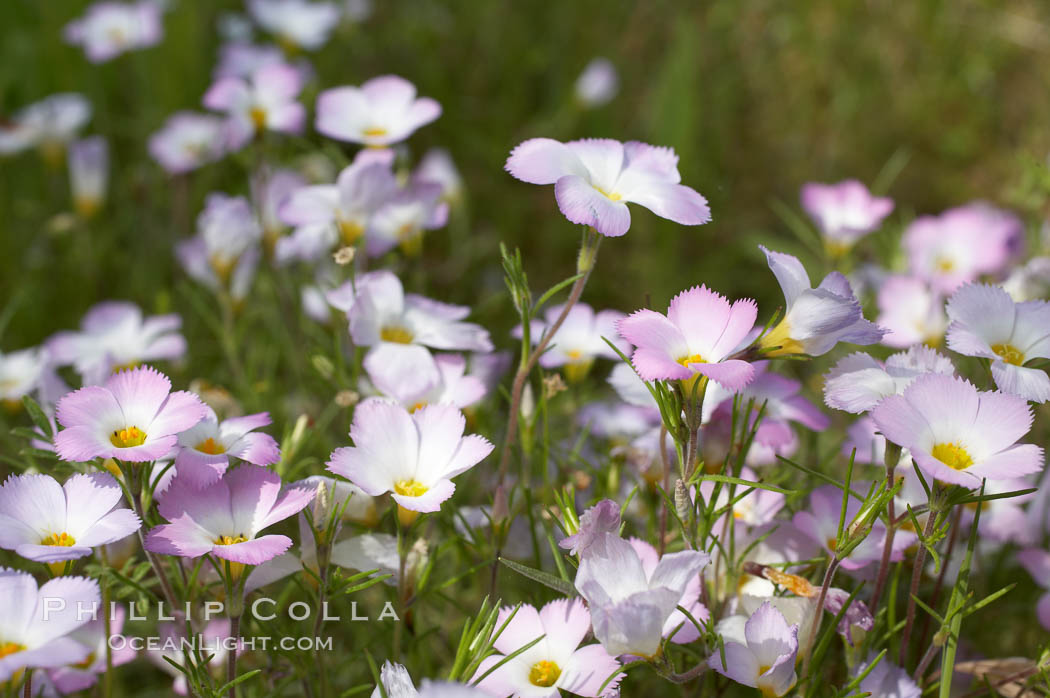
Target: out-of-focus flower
(815,319)
(628,606)
(554,664)
(957,434)
(205,448)
(50,124)
(961,244)
(357,11)
(114,335)
(820,522)
(89,174)
(21,372)
(381,112)
(594,179)
(766,658)
(225,252)
(187,140)
(597,84)
(225,518)
(417,384)
(602,518)
(215,636)
(696,337)
(83,675)
(858,381)
(36,632)
(327,214)
(241,59)
(1036,562)
(845,212)
(987,322)
(133,417)
(414,456)
(297,24)
(1031,281)
(437,166)
(886,680)
(269,192)
(108,29)
(398,684)
(264,101)
(911,312)
(579,340)
(47,522)
(403,219)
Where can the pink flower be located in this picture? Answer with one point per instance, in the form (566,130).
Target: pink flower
(187,141)
(133,417)
(1036,562)
(986,322)
(265,101)
(296,23)
(911,311)
(47,522)
(595,178)
(381,112)
(845,212)
(35,630)
(412,455)
(225,518)
(961,244)
(205,448)
(417,384)
(958,434)
(764,658)
(602,518)
(554,664)
(677,628)
(108,29)
(115,335)
(84,675)
(403,219)
(858,381)
(580,339)
(696,337)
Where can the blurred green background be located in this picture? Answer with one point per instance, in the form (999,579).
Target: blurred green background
(944,100)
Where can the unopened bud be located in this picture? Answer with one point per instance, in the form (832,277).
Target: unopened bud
(683,506)
(347,398)
(500,507)
(323,365)
(322,506)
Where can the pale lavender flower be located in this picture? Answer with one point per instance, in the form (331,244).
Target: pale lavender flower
(51,124)
(887,680)
(381,112)
(594,179)
(89,174)
(133,417)
(858,381)
(187,140)
(580,339)
(403,219)
(766,658)
(845,212)
(416,384)
(602,518)
(296,23)
(85,674)
(205,448)
(597,84)
(264,101)
(109,29)
(911,312)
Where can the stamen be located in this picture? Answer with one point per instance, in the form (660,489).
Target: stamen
(127,437)
(544,673)
(952,455)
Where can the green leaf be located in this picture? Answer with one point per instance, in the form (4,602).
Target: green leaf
(545,578)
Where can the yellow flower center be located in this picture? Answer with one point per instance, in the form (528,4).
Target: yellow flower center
(694,359)
(952,455)
(1009,353)
(231,540)
(88,661)
(350,232)
(127,437)
(831,544)
(126,366)
(944,264)
(86,206)
(222,266)
(9,648)
(544,673)
(410,488)
(396,334)
(578,368)
(763,669)
(211,447)
(63,540)
(418,406)
(258,115)
(611,196)
(375,132)
(779,342)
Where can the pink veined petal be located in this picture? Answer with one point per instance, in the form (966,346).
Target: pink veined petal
(182,537)
(525,627)
(423,111)
(1016,461)
(1001,420)
(740,664)
(289,118)
(565,622)
(588,670)
(313,204)
(934,468)
(257,448)
(899,421)
(51,553)
(140,392)
(87,407)
(280,81)
(117,524)
(581,203)
(80,443)
(504,680)
(543,161)
(733,374)
(389,90)
(78,592)
(356,465)
(790,274)
(180,411)
(649,329)
(429,501)
(290,502)
(255,551)
(1037,563)
(471,450)
(1029,383)
(226,94)
(702,316)
(652,364)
